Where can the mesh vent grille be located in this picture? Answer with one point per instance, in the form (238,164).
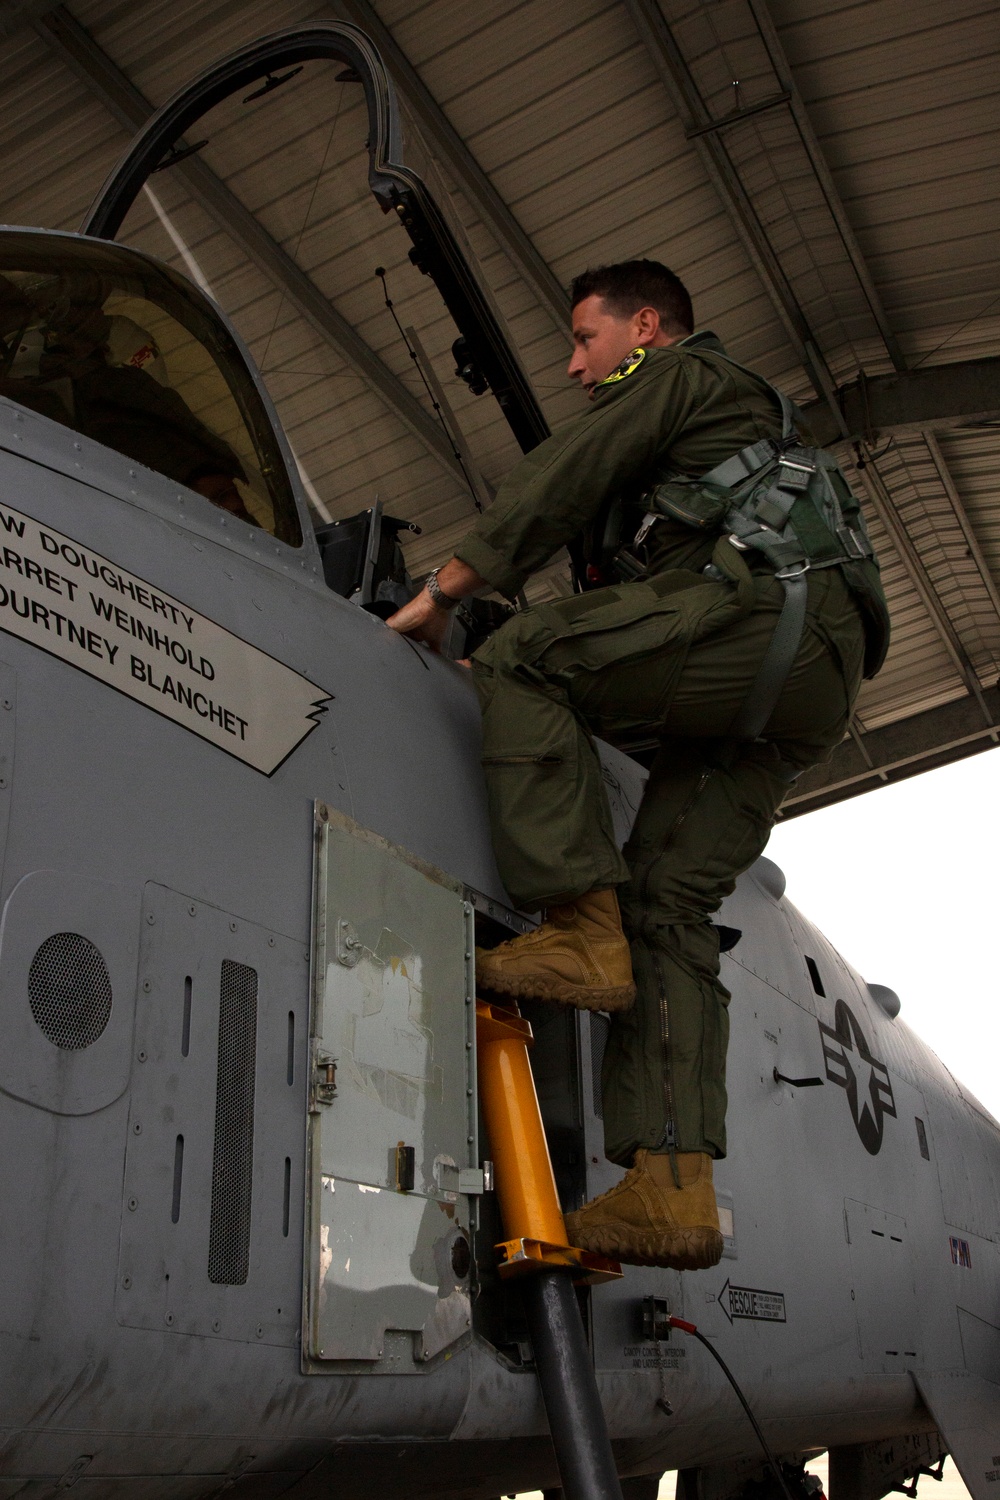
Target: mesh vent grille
(69,990)
(232,1160)
(600,1030)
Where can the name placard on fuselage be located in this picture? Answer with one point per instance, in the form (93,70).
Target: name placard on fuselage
(83,608)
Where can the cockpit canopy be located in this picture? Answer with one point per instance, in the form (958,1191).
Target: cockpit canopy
(125,352)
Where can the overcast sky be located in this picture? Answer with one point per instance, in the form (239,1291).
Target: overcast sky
(903,881)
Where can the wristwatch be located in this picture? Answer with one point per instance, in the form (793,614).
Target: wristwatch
(437,593)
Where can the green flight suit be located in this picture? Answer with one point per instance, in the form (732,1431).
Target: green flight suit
(675,654)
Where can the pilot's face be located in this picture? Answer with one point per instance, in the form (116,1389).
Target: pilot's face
(601,340)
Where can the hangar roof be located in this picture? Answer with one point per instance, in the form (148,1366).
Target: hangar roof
(822,174)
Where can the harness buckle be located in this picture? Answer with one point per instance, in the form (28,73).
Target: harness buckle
(794,570)
(794,476)
(853,543)
(649,520)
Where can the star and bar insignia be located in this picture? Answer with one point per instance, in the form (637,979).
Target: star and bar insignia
(847,1055)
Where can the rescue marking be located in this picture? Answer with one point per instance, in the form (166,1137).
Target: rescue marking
(82,608)
(839,1043)
(752,1303)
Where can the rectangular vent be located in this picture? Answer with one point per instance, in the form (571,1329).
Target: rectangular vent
(600,1028)
(175,1207)
(817,982)
(232,1160)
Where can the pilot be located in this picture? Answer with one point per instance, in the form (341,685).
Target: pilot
(104,376)
(741,665)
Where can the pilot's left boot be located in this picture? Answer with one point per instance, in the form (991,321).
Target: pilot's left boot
(578,956)
(647,1220)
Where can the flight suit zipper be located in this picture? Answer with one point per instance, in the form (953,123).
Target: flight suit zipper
(522,760)
(669,1138)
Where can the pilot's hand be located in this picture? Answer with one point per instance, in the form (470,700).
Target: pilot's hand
(422,620)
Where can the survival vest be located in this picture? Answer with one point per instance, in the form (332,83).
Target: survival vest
(790,506)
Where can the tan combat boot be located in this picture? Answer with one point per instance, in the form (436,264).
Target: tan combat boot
(578,956)
(647,1220)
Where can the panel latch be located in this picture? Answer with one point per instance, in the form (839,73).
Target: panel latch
(325,1079)
(348,945)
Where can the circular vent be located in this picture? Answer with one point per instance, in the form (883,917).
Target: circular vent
(69,989)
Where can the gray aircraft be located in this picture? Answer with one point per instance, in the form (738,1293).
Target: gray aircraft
(249,1227)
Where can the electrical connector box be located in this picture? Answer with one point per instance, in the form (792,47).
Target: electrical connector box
(655,1312)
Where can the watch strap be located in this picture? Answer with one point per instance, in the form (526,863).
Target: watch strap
(437,593)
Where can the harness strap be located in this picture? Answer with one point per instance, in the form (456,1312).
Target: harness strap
(762,698)
(732,471)
(768,531)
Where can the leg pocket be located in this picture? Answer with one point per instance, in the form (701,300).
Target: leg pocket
(699,826)
(619,660)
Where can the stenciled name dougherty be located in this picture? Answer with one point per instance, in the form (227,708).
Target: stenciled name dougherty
(83,608)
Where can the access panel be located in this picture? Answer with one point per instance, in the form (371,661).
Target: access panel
(884,1289)
(393,1152)
(212,1191)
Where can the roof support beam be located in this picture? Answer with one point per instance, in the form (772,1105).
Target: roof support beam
(469,175)
(672,67)
(814,151)
(737,116)
(896,751)
(122,99)
(910,402)
(962,517)
(704,133)
(15,15)
(884,507)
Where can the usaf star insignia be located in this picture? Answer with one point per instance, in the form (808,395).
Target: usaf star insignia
(846,1053)
(630,363)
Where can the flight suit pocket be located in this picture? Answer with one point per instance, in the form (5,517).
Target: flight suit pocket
(619,660)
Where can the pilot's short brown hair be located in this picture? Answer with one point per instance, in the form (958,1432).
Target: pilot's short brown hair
(632,284)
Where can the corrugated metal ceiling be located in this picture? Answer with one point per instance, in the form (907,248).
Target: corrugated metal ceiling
(869,170)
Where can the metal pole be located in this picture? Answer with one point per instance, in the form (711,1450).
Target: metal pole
(569,1388)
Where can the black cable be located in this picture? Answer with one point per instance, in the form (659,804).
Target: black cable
(696,1332)
(864,459)
(380,273)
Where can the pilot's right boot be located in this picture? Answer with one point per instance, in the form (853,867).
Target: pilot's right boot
(647,1220)
(578,956)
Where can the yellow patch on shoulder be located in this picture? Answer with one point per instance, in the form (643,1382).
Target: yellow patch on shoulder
(629,364)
